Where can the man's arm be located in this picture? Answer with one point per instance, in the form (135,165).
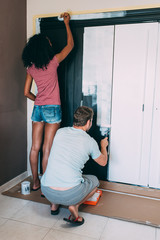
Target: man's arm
(103,158)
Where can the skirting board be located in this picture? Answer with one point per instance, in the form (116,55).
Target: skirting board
(120,205)
(13,182)
(130,189)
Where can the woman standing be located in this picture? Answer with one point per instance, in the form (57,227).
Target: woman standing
(41,63)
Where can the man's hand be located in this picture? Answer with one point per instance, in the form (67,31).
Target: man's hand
(104,142)
(66,17)
(103,158)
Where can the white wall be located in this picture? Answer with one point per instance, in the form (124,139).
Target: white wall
(55,7)
(41,7)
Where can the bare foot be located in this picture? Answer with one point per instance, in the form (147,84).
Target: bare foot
(36,184)
(54,207)
(79,219)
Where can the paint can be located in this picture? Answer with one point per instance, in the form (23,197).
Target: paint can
(25,187)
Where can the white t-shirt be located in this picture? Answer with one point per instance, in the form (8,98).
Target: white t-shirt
(70,151)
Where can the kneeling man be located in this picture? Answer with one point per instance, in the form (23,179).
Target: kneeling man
(63,182)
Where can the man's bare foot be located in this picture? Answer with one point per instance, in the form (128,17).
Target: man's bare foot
(76,221)
(55,209)
(54,206)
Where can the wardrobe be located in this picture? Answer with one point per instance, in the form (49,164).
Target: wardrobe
(134,158)
(115,69)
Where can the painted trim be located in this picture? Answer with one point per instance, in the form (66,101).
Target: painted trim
(99,11)
(93,11)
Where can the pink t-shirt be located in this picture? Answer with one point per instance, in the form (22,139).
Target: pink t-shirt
(47,83)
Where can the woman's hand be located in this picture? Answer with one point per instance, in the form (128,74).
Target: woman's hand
(66,17)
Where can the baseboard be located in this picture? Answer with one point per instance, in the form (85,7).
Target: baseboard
(130,189)
(13,182)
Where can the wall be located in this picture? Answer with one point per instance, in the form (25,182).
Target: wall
(13,112)
(50,8)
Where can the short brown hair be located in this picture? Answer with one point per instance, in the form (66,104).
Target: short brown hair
(82,115)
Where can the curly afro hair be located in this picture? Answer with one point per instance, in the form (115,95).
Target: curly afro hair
(38,51)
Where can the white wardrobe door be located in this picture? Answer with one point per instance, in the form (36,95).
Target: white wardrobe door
(134,66)
(97,71)
(154,174)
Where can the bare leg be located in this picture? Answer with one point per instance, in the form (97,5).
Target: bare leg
(50,131)
(37,133)
(74,208)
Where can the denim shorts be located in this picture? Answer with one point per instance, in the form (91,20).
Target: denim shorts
(47,113)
